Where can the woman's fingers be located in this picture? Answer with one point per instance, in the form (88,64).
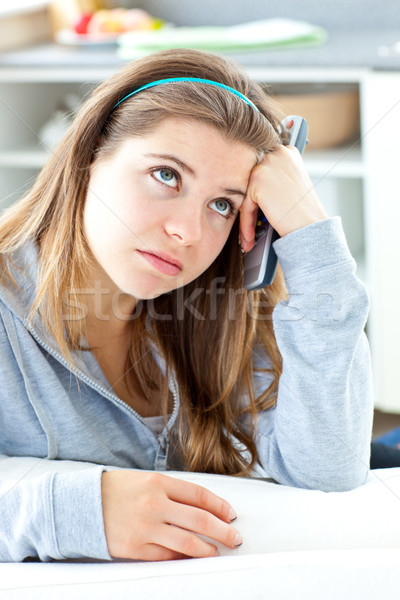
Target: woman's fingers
(247,224)
(204,523)
(282,188)
(185,542)
(186,492)
(157,552)
(286,192)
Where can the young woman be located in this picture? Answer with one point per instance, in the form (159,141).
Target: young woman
(127,338)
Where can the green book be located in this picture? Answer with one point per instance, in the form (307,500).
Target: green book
(257,35)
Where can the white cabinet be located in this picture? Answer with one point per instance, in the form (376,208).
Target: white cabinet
(28,98)
(359,182)
(381,133)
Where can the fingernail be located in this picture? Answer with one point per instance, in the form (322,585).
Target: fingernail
(238,540)
(232,514)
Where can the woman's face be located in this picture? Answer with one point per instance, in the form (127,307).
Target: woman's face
(160,209)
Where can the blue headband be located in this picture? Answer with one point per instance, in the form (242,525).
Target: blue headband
(195,79)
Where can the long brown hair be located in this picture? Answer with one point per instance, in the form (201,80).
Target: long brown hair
(208,348)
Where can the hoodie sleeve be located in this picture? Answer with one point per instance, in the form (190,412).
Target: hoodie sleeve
(318,435)
(56,515)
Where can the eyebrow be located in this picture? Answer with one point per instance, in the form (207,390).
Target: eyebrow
(176,160)
(189,170)
(234,192)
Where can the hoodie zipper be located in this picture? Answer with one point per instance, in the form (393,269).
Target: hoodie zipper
(103,390)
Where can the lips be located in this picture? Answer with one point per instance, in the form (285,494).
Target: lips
(169,259)
(162,262)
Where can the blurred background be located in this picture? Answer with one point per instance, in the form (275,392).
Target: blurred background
(337,63)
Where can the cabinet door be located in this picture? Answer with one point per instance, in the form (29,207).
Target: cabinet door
(25,107)
(381,142)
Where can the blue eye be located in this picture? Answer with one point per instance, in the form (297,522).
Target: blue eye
(166,176)
(224,207)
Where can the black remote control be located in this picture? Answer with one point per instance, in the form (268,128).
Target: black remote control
(261,262)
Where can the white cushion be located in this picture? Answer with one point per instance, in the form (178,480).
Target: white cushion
(297,543)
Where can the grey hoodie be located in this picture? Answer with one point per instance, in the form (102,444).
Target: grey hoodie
(317,437)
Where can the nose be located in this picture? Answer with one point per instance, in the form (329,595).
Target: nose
(185,225)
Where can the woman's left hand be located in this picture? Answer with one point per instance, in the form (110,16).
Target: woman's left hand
(282,188)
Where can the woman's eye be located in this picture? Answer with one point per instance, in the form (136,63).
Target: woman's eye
(166,176)
(224,207)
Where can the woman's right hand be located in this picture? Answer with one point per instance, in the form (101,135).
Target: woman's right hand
(151,516)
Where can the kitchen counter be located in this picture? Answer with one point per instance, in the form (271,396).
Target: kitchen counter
(344,49)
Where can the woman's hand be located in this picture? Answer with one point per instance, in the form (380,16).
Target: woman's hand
(150,516)
(281,187)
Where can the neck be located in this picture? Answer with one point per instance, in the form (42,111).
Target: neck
(108,310)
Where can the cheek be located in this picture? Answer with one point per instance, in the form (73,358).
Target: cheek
(109,212)
(213,245)
(92,221)
(104,231)
(137,205)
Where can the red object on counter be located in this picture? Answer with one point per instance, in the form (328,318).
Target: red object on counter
(82,23)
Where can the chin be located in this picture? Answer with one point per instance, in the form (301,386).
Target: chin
(157,293)
(146,294)
(153,288)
